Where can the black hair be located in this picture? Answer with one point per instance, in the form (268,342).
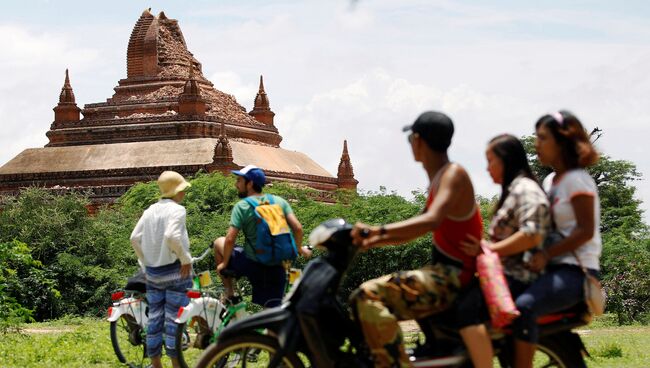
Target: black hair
(512,154)
(569,133)
(256,188)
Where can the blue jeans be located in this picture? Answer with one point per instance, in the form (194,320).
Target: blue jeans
(163,308)
(560,287)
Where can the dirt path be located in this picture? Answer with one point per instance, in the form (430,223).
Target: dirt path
(49,330)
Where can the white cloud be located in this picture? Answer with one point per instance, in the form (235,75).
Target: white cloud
(335,71)
(230,82)
(352,17)
(369,112)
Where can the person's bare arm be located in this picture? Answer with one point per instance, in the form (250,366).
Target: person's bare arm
(447,196)
(516,243)
(229,245)
(296,228)
(583,207)
(298,234)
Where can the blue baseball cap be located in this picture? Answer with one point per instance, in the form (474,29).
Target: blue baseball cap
(252,173)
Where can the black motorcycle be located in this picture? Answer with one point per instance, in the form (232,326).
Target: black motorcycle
(313,328)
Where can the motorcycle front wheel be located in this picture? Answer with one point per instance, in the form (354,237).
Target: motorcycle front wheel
(246,350)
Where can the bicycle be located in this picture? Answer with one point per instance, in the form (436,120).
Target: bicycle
(207,316)
(203,319)
(128,317)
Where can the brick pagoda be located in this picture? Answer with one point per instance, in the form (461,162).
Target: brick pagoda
(165,115)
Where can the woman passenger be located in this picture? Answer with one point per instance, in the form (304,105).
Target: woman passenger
(563,144)
(520,222)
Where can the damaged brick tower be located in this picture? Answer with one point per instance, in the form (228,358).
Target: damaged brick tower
(164,116)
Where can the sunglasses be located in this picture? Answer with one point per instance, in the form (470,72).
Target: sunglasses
(411,136)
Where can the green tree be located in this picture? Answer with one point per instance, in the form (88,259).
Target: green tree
(22,282)
(82,257)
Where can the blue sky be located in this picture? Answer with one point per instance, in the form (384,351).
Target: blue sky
(359,70)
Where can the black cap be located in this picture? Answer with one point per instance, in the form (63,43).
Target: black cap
(435,128)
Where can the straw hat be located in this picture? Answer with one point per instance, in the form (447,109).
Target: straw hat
(171,183)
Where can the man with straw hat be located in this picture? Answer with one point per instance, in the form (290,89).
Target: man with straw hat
(162,245)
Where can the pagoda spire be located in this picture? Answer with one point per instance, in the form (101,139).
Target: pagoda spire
(190,101)
(262,107)
(67,95)
(66,110)
(345,175)
(222,151)
(222,159)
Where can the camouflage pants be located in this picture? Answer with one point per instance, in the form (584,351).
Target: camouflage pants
(401,296)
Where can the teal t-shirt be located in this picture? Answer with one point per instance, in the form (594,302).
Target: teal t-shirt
(243,218)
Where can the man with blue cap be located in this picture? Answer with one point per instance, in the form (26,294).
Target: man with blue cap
(268,281)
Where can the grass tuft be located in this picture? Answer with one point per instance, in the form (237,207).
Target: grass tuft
(611,350)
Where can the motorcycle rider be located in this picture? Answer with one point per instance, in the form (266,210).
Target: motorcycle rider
(452,213)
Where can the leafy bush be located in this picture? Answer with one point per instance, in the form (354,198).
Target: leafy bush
(73,261)
(23,286)
(626,260)
(82,257)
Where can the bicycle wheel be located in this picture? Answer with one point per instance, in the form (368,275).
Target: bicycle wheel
(129,341)
(191,341)
(247,350)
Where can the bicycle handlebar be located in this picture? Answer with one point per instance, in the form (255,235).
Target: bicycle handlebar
(204,254)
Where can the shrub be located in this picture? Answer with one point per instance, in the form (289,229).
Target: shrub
(24,287)
(626,279)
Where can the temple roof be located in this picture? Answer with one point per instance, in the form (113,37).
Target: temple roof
(165,115)
(159,65)
(157,154)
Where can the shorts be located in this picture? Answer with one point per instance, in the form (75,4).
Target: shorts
(268,282)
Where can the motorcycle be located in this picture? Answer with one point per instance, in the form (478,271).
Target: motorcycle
(313,328)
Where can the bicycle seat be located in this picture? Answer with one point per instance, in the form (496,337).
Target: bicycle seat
(137,282)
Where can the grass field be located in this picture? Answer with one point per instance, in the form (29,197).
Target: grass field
(85,342)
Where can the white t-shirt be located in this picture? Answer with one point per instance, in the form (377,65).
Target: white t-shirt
(574,183)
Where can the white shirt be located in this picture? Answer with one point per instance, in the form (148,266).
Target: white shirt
(160,236)
(574,183)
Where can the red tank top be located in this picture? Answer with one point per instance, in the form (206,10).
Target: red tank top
(447,238)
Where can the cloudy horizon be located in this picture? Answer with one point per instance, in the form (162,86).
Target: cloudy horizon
(359,70)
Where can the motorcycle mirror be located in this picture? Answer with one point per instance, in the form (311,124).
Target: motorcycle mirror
(323,232)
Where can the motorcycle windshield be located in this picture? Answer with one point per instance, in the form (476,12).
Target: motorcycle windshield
(315,282)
